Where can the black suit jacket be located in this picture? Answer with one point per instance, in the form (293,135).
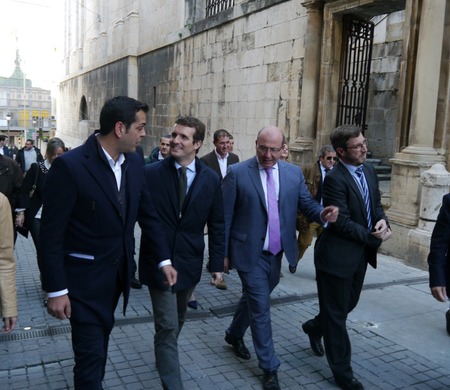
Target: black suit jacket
(82,215)
(210,160)
(438,258)
(6,151)
(203,205)
(345,243)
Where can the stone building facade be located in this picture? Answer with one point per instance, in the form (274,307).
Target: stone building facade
(276,62)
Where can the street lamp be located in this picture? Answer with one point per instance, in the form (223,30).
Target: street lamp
(8,118)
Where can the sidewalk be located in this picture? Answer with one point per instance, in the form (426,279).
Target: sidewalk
(397,332)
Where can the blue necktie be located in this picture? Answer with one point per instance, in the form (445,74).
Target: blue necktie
(274,218)
(365,194)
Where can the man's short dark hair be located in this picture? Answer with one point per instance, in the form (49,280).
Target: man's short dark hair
(165,136)
(30,141)
(340,135)
(326,149)
(197,124)
(119,109)
(2,138)
(219,134)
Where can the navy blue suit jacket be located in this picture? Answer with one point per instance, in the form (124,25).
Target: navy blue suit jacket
(6,151)
(246,212)
(203,206)
(82,215)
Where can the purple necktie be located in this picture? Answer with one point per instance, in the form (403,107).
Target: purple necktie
(274,218)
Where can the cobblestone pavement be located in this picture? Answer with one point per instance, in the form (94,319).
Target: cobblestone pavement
(397,332)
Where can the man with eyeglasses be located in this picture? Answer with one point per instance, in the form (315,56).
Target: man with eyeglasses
(260,198)
(314,176)
(343,249)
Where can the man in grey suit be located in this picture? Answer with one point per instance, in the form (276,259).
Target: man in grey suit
(343,250)
(261,196)
(219,160)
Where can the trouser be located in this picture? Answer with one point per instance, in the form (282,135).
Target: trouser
(169,311)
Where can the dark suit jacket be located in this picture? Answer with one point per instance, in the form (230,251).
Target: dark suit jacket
(340,248)
(438,259)
(6,151)
(82,214)
(246,212)
(11,178)
(210,160)
(203,205)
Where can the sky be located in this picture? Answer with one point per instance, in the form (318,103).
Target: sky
(36,29)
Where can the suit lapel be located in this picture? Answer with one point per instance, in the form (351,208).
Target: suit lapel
(96,168)
(169,181)
(352,184)
(256,180)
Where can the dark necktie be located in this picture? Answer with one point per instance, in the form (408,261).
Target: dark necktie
(365,194)
(274,218)
(182,186)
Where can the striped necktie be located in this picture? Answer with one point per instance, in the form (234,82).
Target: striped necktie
(365,194)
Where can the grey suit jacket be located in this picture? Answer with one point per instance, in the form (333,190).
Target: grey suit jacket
(246,212)
(210,160)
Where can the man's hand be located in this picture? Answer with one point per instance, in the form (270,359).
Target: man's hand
(216,278)
(226,265)
(9,324)
(382,231)
(329,214)
(170,273)
(59,307)
(20,219)
(440,293)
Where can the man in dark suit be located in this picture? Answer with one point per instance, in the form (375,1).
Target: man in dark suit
(219,160)
(3,148)
(92,195)
(343,250)
(438,258)
(183,221)
(260,198)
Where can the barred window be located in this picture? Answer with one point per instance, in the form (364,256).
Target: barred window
(213,7)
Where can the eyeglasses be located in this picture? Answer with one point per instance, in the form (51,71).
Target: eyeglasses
(265,149)
(358,147)
(329,158)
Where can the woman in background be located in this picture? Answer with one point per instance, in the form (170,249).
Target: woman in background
(32,195)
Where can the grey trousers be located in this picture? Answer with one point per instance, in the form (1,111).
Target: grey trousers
(169,310)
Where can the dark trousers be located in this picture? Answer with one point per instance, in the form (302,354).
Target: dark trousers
(254,309)
(90,346)
(337,298)
(35,229)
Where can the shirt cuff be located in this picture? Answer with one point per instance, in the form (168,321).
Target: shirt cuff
(164,262)
(58,293)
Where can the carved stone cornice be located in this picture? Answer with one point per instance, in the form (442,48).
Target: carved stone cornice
(313,5)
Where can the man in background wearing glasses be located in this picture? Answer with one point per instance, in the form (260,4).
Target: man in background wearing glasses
(343,249)
(314,176)
(261,196)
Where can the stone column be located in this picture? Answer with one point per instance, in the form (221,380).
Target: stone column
(435,184)
(420,153)
(302,147)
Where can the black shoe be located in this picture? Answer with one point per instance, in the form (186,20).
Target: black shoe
(270,381)
(135,283)
(292,269)
(350,384)
(240,350)
(315,340)
(447,320)
(193,304)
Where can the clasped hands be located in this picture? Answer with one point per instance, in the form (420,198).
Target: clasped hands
(382,230)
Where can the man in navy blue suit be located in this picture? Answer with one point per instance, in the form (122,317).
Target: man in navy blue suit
(92,196)
(249,225)
(183,213)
